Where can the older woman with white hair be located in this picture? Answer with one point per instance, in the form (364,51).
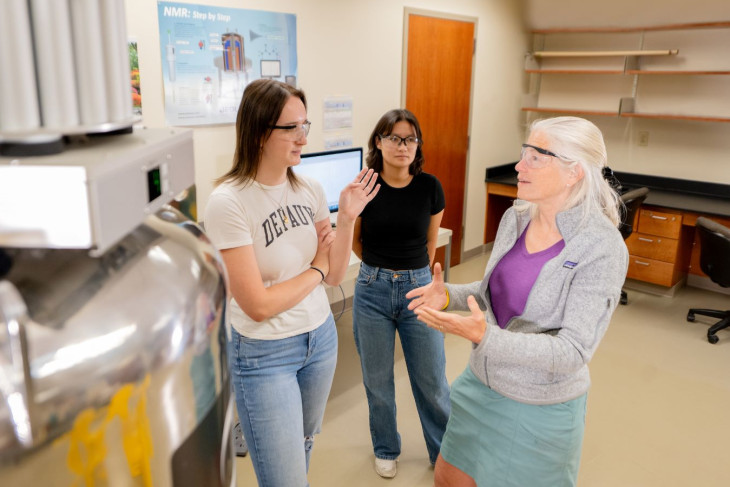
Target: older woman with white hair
(552,283)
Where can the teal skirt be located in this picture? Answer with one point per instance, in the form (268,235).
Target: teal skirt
(501,442)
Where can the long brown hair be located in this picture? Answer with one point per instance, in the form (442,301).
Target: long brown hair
(374,159)
(260,108)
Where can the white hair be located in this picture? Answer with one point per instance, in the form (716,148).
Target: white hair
(579,142)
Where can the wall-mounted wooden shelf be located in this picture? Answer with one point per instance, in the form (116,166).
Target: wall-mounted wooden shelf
(573,61)
(639,52)
(619,30)
(575,71)
(569,111)
(574,68)
(602,113)
(669,116)
(629,72)
(676,72)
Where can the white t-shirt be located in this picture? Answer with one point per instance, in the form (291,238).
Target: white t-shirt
(279,221)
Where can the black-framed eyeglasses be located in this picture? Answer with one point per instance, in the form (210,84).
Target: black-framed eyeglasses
(395,140)
(536,157)
(295,131)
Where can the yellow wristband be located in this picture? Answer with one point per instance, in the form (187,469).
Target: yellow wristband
(448,300)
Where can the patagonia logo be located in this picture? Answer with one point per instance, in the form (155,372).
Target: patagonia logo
(569,265)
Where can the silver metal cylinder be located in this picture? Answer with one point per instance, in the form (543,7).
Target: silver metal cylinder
(116,59)
(55,63)
(113,369)
(89,58)
(18,97)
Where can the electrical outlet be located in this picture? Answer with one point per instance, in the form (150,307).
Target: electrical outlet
(643,138)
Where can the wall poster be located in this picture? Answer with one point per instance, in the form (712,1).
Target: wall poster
(337,114)
(209,55)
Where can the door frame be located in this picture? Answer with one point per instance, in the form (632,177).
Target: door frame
(404,83)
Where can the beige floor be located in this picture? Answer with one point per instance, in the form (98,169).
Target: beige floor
(658,410)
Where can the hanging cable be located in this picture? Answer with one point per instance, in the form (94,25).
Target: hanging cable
(344,303)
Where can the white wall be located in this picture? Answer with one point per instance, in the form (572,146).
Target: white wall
(355,48)
(622,13)
(679,149)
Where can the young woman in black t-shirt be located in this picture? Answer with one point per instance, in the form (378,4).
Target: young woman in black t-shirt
(395,236)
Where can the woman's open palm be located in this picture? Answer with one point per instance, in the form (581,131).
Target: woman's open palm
(356,195)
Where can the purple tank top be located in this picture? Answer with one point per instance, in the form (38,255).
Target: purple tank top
(514,276)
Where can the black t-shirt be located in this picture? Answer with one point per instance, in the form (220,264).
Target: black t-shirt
(394,227)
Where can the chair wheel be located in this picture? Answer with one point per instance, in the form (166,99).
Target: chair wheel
(623,300)
(690,316)
(712,339)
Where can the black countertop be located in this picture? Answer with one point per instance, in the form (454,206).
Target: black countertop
(680,194)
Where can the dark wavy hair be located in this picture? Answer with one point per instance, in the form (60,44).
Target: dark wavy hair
(260,108)
(374,159)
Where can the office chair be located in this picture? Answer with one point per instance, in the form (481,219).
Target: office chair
(632,201)
(715,262)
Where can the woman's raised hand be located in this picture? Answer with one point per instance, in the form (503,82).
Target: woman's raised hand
(432,295)
(357,194)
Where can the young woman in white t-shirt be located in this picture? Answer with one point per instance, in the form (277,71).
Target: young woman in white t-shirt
(274,233)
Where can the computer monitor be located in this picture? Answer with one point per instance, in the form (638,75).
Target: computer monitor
(333,169)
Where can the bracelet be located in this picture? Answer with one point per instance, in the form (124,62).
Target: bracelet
(448,300)
(318,270)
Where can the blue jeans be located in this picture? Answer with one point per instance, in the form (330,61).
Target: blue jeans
(281,389)
(379,309)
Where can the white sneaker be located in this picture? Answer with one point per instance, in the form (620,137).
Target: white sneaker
(385,468)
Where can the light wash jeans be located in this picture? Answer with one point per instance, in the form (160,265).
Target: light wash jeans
(379,309)
(281,389)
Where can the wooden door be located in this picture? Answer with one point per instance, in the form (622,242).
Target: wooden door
(439,58)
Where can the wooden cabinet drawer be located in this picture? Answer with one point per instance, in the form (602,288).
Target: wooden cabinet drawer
(660,223)
(651,270)
(653,247)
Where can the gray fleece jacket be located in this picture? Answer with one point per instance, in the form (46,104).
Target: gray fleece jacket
(541,357)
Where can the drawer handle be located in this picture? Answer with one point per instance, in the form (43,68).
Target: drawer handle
(659,217)
(642,239)
(641,263)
